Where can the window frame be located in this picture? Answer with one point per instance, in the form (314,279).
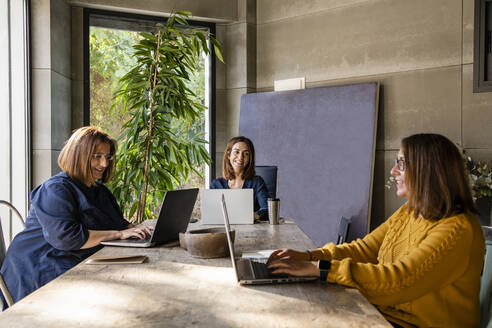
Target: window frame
(480,43)
(160,19)
(15,75)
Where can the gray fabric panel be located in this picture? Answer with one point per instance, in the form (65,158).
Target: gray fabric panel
(322,140)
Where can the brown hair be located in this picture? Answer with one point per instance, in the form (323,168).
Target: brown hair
(435,177)
(249,171)
(75,156)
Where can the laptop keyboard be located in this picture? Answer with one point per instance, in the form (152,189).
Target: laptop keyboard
(138,240)
(261,271)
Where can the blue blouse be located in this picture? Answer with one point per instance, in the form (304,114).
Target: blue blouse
(260,193)
(62,211)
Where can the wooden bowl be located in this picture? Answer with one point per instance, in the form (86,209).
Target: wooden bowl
(206,243)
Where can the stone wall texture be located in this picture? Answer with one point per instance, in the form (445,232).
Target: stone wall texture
(420,51)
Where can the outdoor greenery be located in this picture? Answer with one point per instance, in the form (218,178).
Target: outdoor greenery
(480,173)
(480,177)
(161,144)
(110,58)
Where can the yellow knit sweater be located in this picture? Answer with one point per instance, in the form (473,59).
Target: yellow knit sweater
(418,272)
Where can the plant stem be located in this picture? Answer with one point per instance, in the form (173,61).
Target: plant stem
(143,197)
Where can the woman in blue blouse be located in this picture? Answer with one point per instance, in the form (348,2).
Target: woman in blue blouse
(238,170)
(70,214)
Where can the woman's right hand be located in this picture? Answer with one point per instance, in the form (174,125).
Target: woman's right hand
(140,232)
(288,254)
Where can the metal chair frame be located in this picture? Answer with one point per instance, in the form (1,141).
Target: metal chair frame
(343,229)
(3,287)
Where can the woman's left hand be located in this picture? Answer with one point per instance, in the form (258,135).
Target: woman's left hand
(295,268)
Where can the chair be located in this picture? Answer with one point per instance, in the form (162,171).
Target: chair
(485,285)
(269,175)
(3,250)
(343,229)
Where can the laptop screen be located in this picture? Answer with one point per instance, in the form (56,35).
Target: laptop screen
(229,239)
(240,206)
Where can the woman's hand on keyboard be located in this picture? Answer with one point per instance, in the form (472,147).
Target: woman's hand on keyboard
(295,268)
(288,254)
(140,232)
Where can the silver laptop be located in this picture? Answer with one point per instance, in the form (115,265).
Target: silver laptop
(239,201)
(174,217)
(250,272)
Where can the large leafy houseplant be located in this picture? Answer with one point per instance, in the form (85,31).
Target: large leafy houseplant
(152,157)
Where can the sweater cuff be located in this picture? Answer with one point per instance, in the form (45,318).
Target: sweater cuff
(326,252)
(332,274)
(339,271)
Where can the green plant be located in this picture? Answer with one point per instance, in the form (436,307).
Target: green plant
(480,177)
(390,182)
(480,174)
(152,157)
(110,58)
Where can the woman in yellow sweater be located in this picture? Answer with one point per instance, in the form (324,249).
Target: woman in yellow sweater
(420,268)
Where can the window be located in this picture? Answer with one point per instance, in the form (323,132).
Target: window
(15,152)
(482,61)
(109,40)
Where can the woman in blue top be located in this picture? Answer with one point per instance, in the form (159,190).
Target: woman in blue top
(70,214)
(238,170)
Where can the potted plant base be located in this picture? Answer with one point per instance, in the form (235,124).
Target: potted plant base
(484,206)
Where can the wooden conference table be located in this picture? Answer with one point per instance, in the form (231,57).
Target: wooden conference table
(173,289)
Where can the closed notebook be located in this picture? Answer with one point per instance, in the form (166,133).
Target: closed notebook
(132,259)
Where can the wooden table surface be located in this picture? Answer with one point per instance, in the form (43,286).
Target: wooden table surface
(173,289)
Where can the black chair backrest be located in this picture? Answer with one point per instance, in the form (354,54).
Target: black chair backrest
(486,280)
(343,230)
(269,175)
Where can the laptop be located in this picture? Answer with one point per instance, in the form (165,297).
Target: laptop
(174,217)
(240,205)
(250,272)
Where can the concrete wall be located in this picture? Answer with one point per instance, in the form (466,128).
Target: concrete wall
(208,10)
(51,84)
(237,76)
(421,52)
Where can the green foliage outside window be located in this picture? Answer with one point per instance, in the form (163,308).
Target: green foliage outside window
(110,58)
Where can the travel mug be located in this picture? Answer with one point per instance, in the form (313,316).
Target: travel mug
(273,210)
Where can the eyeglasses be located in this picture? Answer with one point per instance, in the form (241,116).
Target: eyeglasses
(400,163)
(99,157)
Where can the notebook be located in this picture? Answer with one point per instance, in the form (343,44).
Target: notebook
(249,272)
(240,205)
(130,259)
(174,217)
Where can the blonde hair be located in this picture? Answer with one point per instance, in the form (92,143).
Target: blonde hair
(75,156)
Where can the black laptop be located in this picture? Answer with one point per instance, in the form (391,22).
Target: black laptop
(174,217)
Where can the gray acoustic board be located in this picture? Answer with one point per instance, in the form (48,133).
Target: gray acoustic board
(323,142)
